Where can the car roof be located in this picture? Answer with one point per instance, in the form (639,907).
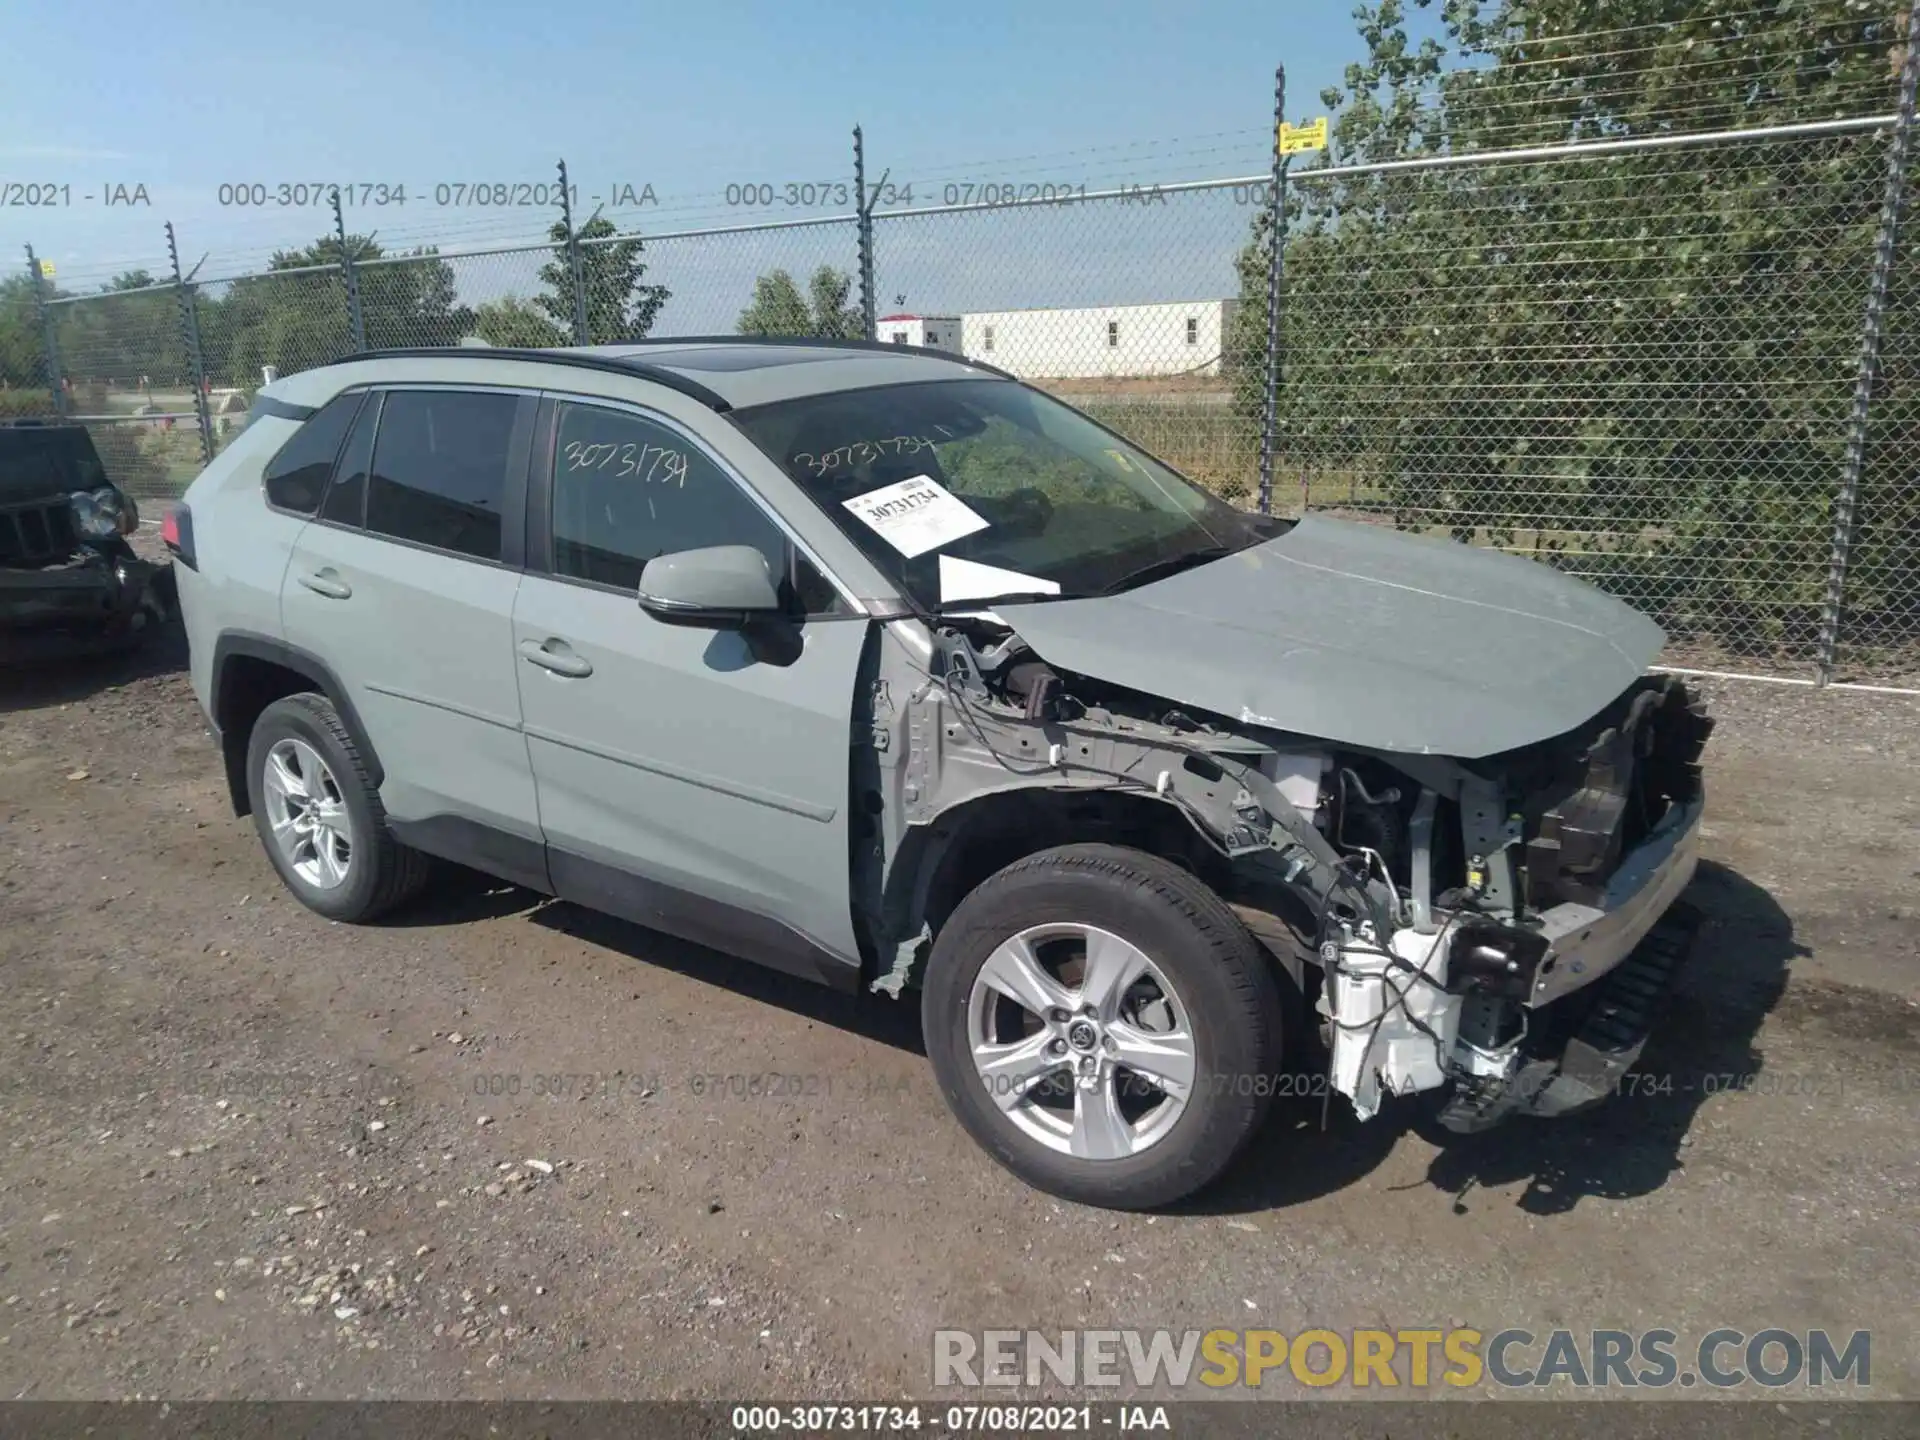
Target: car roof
(727,372)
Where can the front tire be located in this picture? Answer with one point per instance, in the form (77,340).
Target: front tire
(320,817)
(1102,1025)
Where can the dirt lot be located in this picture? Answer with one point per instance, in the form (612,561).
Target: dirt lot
(249,1153)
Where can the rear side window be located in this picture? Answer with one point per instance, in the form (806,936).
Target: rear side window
(296,478)
(439,473)
(346,501)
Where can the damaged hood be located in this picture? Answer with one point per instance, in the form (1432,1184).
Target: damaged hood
(1364,636)
(46,462)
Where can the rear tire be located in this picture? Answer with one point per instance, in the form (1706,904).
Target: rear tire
(1123,960)
(319,815)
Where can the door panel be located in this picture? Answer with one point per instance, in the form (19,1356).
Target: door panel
(685,760)
(686,779)
(423,638)
(423,643)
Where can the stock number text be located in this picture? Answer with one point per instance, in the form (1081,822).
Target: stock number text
(300,194)
(809,193)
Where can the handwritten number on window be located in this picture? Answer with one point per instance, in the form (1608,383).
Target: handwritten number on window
(646,463)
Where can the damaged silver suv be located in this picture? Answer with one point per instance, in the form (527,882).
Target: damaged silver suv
(880,667)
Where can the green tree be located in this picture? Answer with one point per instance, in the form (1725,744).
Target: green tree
(132,331)
(778,307)
(1626,363)
(22,362)
(619,305)
(516,324)
(834,317)
(295,316)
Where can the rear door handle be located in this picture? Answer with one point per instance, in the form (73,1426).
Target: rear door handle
(327,582)
(557,656)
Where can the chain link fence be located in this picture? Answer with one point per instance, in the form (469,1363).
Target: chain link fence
(25,385)
(783,278)
(291,320)
(1637,366)
(1628,347)
(128,376)
(1878,632)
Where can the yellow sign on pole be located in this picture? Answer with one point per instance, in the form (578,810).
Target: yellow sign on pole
(1296,138)
(46,267)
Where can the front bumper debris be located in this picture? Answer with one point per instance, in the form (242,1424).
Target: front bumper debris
(1585,942)
(1437,1005)
(89,603)
(1605,1039)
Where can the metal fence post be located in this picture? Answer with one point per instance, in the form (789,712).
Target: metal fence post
(196,359)
(863,211)
(49,339)
(1846,499)
(574,268)
(1276,252)
(356,322)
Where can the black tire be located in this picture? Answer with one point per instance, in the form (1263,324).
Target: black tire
(383,872)
(1214,965)
(166,592)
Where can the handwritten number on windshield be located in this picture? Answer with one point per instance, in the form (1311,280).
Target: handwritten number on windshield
(860,452)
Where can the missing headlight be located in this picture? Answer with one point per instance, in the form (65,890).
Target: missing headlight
(102,513)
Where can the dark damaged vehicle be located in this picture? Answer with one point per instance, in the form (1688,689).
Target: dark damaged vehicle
(69,582)
(885,669)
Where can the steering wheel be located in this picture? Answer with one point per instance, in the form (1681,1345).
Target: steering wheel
(1026,511)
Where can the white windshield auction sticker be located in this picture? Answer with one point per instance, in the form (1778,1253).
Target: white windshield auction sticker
(970,580)
(915,516)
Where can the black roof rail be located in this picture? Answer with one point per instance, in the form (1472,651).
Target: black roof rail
(822,342)
(616,364)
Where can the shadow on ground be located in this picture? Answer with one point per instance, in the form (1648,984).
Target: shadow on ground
(37,685)
(459,895)
(874,1017)
(1313,1145)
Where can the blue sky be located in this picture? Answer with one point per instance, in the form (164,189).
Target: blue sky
(689,98)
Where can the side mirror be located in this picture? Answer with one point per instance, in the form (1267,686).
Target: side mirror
(722,587)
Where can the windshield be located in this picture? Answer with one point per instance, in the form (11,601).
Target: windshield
(966,491)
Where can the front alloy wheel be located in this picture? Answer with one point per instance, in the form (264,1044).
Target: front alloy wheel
(1081,1041)
(1100,1021)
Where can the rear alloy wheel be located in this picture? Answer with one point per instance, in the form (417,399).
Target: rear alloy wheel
(307,815)
(319,814)
(1102,1024)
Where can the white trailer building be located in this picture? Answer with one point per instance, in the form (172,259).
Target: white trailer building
(1100,341)
(938,332)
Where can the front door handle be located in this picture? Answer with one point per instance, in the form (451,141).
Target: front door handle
(557,656)
(327,582)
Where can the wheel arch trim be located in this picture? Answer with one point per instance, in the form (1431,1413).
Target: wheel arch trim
(245,644)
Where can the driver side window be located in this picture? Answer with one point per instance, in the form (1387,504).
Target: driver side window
(627,489)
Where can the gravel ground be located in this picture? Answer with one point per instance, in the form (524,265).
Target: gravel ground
(467,1153)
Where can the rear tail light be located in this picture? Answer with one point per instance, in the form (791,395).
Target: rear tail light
(176,533)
